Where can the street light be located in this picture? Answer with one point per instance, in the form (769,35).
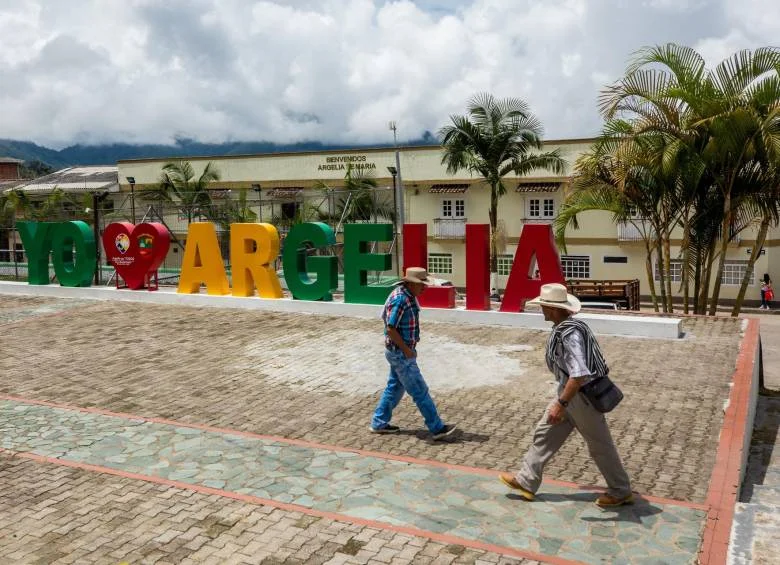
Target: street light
(393,171)
(399,186)
(131,180)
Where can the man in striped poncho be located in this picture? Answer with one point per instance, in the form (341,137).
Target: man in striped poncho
(574,357)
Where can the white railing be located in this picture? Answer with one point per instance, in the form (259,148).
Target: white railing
(628,231)
(449,228)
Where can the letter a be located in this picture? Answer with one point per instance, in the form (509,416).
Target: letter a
(253,247)
(536,239)
(202,263)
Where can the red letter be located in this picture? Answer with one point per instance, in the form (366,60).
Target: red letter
(536,239)
(477,267)
(416,255)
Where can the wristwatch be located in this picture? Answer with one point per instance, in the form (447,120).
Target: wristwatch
(563,403)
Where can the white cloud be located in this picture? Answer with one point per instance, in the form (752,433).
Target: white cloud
(331,70)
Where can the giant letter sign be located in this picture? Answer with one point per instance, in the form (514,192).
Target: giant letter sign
(136,251)
(202,263)
(538,240)
(416,255)
(253,247)
(297,265)
(36,239)
(39,238)
(478,267)
(72,271)
(357,262)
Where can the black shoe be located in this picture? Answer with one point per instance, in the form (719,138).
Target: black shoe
(388,429)
(444,432)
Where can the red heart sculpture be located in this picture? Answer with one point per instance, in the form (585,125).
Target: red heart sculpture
(136,251)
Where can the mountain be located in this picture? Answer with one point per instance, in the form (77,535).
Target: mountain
(109,154)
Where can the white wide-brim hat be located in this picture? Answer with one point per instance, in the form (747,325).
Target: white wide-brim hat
(554,295)
(417,275)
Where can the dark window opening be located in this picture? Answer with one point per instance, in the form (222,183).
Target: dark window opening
(608,259)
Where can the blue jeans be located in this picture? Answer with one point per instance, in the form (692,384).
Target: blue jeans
(405,376)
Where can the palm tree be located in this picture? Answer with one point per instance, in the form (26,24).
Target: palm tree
(359,200)
(721,123)
(178,186)
(495,138)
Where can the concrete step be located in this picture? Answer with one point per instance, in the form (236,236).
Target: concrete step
(754,534)
(766,495)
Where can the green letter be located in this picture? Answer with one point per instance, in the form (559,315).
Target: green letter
(36,239)
(296,265)
(66,236)
(357,262)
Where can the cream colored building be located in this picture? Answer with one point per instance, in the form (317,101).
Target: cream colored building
(598,250)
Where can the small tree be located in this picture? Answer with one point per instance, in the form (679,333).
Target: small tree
(178,186)
(496,137)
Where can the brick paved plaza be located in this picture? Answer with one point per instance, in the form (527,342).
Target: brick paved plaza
(317,379)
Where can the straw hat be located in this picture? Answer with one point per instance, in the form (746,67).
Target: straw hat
(555,296)
(418,275)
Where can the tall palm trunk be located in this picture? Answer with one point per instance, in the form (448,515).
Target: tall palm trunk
(493,213)
(649,269)
(661,268)
(686,259)
(705,283)
(724,245)
(668,269)
(754,254)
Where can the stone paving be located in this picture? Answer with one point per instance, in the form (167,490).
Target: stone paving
(563,522)
(252,372)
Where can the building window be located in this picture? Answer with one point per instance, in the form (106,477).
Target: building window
(675,268)
(505,264)
(289,210)
(440,263)
(734,271)
(538,208)
(449,206)
(615,259)
(575,266)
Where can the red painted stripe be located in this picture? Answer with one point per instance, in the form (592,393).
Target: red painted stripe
(724,483)
(443,538)
(314,445)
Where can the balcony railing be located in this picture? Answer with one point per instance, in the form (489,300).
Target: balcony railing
(628,231)
(449,228)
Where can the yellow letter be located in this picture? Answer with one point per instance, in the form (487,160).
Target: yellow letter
(202,263)
(252,248)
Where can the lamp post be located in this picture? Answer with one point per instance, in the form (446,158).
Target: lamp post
(399,189)
(131,180)
(258,189)
(393,171)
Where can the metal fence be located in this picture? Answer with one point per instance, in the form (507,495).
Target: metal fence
(281,209)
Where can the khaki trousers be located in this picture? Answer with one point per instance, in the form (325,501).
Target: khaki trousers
(592,425)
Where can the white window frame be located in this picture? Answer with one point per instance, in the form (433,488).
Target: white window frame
(454,208)
(504,264)
(675,269)
(734,271)
(440,263)
(541,208)
(575,266)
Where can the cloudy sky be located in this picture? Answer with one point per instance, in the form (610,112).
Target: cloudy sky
(148,71)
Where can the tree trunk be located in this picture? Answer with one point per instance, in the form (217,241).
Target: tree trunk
(725,229)
(705,285)
(493,214)
(686,259)
(760,239)
(668,269)
(649,269)
(661,275)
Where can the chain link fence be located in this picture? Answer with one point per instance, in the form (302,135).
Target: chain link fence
(282,208)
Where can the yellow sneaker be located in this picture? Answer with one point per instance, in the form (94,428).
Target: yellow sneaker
(509,480)
(609,501)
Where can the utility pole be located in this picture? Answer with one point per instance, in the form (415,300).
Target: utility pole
(398,185)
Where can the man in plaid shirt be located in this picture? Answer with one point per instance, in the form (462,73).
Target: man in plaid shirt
(401,315)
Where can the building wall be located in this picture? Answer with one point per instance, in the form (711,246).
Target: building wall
(597,238)
(9,171)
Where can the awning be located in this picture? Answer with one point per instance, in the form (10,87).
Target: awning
(287,192)
(448,188)
(74,179)
(538,187)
